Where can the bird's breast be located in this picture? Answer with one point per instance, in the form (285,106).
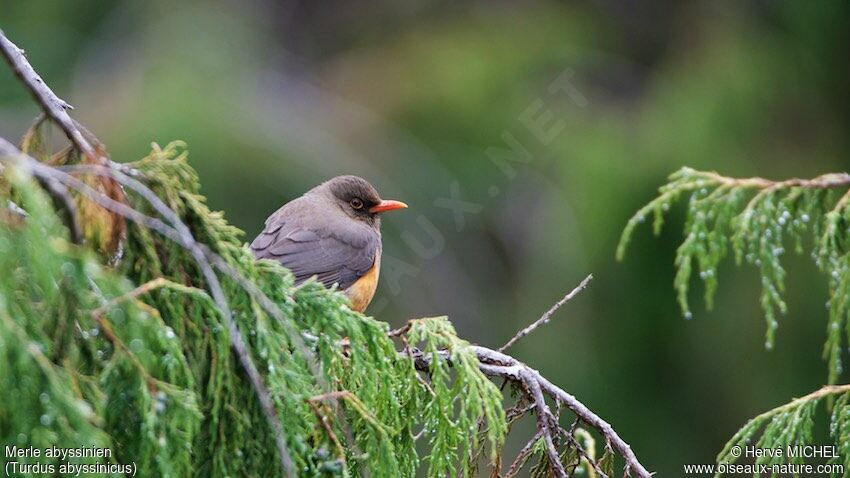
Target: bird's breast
(361,292)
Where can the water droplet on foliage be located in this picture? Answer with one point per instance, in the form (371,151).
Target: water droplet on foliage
(22,438)
(805,218)
(67,269)
(44,397)
(689,315)
(136,345)
(84,407)
(169,333)
(45,420)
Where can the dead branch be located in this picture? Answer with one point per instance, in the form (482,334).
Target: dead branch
(495,364)
(522,456)
(545,422)
(53,106)
(544,319)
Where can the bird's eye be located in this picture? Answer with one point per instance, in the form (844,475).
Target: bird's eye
(356,203)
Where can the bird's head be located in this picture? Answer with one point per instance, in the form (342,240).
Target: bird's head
(358,199)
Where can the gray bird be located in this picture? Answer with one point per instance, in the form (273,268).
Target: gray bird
(332,232)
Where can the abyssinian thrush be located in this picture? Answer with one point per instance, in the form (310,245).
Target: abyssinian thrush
(332,232)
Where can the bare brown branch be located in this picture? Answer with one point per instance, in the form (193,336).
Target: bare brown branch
(546,317)
(53,106)
(544,422)
(826,181)
(498,365)
(522,456)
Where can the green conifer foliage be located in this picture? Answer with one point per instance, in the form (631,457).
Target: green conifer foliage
(138,358)
(757,219)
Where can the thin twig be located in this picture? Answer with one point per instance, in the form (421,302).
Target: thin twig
(544,417)
(323,421)
(53,106)
(147,287)
(64,201)
(544,319)
(582,453)
(522,456)
(842,203)
(55,109)
(826,181)
(401,330)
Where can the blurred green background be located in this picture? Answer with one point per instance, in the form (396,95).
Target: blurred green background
(274,97)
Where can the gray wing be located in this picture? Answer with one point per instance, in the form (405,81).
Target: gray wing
(332,258)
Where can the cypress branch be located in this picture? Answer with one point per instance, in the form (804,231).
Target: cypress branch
(791,425)
(159,337)
(757,219)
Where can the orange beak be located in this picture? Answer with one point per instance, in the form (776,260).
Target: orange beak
(387,205)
